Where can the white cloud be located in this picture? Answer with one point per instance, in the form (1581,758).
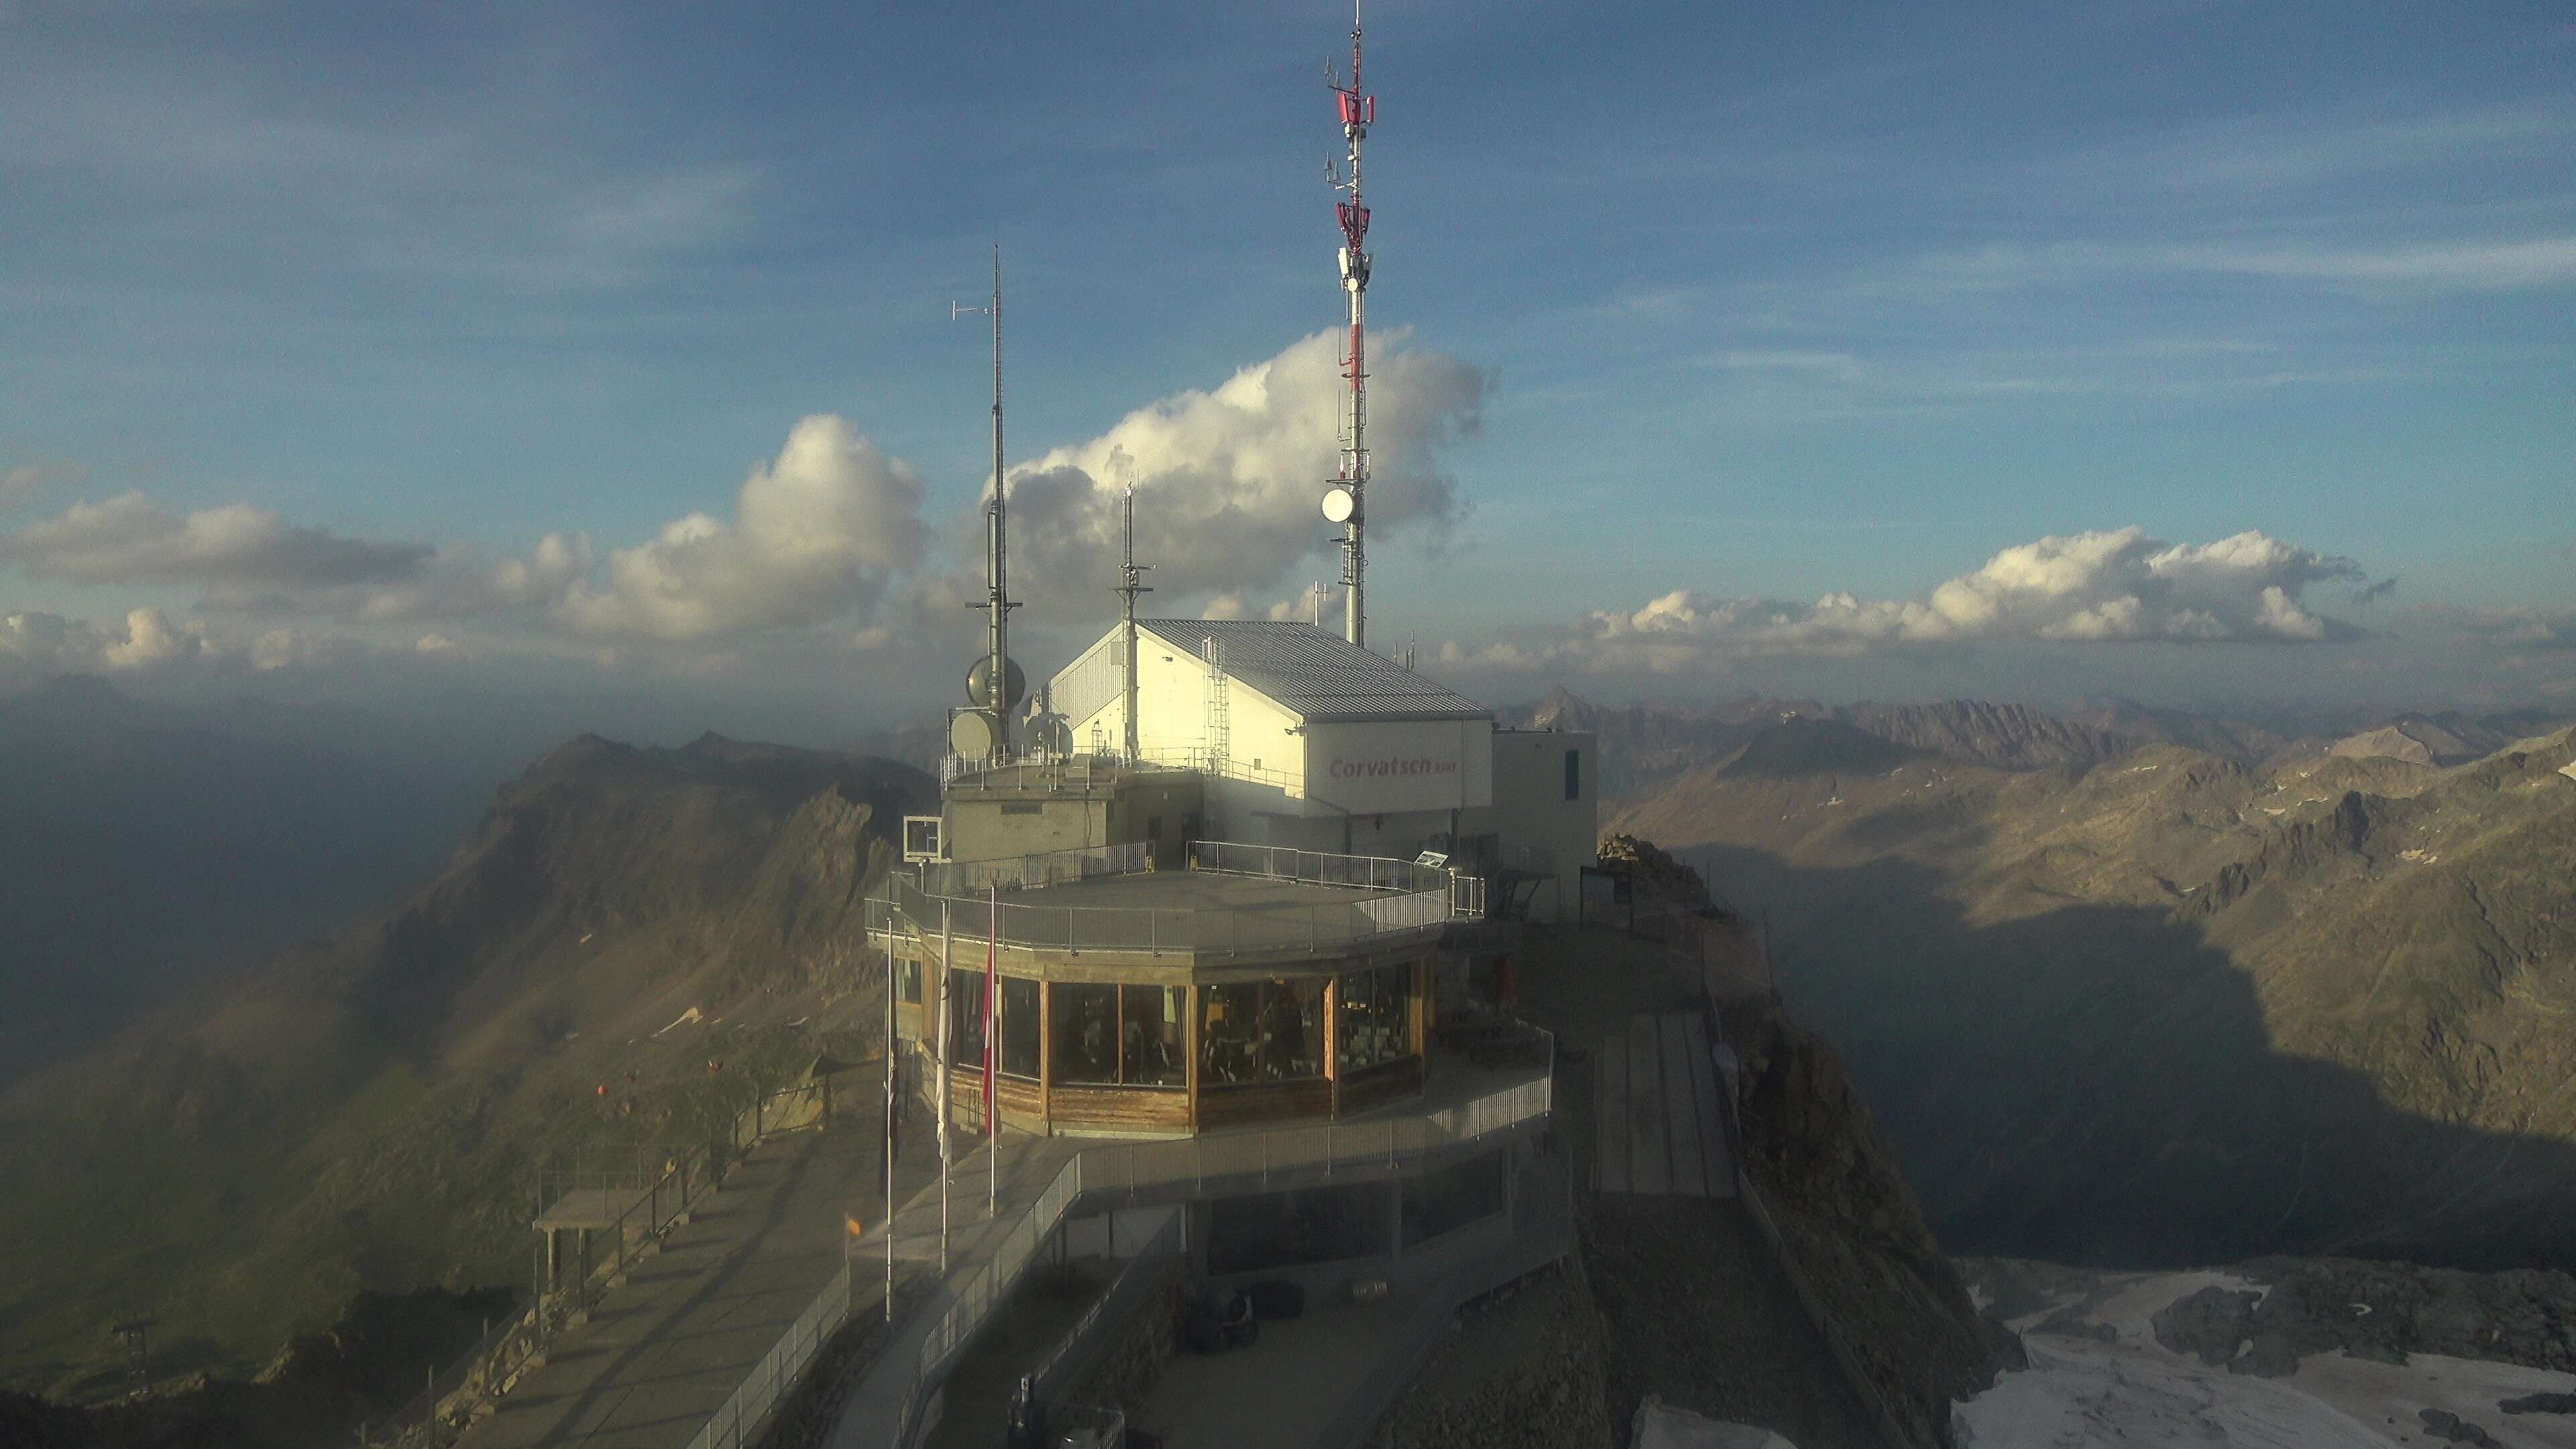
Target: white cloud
(457,582)
(129,539)
(38,645)
(814,536)
(1228,481)
(150,641)
(2101,587)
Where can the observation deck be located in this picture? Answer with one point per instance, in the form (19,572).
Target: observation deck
(1259,984)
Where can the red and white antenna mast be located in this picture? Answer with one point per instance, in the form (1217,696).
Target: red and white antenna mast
(1346,502)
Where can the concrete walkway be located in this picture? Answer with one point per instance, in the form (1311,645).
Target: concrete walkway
(976,1235)
(1660,1112)
(664,1352)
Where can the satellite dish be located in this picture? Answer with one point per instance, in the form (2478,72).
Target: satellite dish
(1338,504)
(979,686)
(974,734)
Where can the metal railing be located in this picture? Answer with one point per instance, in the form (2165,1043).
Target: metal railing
(1316,867)
(1281,926)
(454,1399)
(1129,1167)
(778,1369)
(1074,1353)
(1026,872)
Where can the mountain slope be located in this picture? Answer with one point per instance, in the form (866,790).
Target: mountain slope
(2178,1007)
(367,1112)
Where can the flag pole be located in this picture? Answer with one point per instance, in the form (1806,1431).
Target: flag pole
(992,1052)
(947,945)
(893,1104)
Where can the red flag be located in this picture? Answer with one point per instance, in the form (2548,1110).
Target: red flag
(992,1013)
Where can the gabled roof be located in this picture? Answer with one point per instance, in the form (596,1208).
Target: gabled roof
(1315,674)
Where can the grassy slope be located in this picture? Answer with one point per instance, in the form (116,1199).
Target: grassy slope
(367,1114)
(2173,1006)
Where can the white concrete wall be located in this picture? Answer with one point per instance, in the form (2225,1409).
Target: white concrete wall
(1393,766)
(1530,807)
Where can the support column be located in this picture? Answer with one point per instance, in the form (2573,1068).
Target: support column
(1046,1056)
(1333,1039)
(1190,1050)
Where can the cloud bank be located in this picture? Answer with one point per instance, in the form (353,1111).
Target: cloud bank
(2117,586)
(129,539)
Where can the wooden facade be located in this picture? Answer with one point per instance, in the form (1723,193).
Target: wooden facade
(1199,1103)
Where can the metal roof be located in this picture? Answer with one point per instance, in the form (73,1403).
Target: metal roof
(1316,674)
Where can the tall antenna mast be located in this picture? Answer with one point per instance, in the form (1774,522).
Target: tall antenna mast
(1346,502)
(1133,583)
(996,691)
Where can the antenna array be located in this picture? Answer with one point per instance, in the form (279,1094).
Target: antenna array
(1346,502)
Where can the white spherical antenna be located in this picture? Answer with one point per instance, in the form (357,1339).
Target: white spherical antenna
(1338,504)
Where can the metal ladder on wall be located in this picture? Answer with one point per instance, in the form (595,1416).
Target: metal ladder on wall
(1219,746)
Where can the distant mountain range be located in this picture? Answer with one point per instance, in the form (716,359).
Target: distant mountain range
(626,945)
(2154,988)
(1643,745)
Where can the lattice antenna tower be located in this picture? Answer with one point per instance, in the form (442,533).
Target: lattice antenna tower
(1346,501)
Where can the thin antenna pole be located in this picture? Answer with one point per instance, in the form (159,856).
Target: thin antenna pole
(997,588)
(1132,583)
(1359,111)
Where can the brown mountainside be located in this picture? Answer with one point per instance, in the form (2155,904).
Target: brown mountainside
(2176,1006)
(367,1113)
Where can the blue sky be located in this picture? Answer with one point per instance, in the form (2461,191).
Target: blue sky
(1750,303)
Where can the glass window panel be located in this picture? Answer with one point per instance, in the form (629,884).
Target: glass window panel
(1377,1017)
(1149,1036)
(1019,1027)
(1086,1034)
(1292,1030)
(966,1017)
(1229,1036)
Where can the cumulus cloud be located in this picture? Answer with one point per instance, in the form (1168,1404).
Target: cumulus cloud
(36,644)
(815,534)
(129,539)
(2116,586)
(457,582)
(1228,481)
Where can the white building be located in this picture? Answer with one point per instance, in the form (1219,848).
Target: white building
(1305,739)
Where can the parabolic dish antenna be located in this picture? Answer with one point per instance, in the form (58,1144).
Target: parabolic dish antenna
(1337,504)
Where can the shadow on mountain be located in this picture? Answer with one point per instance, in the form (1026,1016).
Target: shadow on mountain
(2096,1085)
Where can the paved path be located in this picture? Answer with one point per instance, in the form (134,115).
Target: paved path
(664,1352)
(1660,1130)
(975,1236)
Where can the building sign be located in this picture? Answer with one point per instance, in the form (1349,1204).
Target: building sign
(1390,767)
